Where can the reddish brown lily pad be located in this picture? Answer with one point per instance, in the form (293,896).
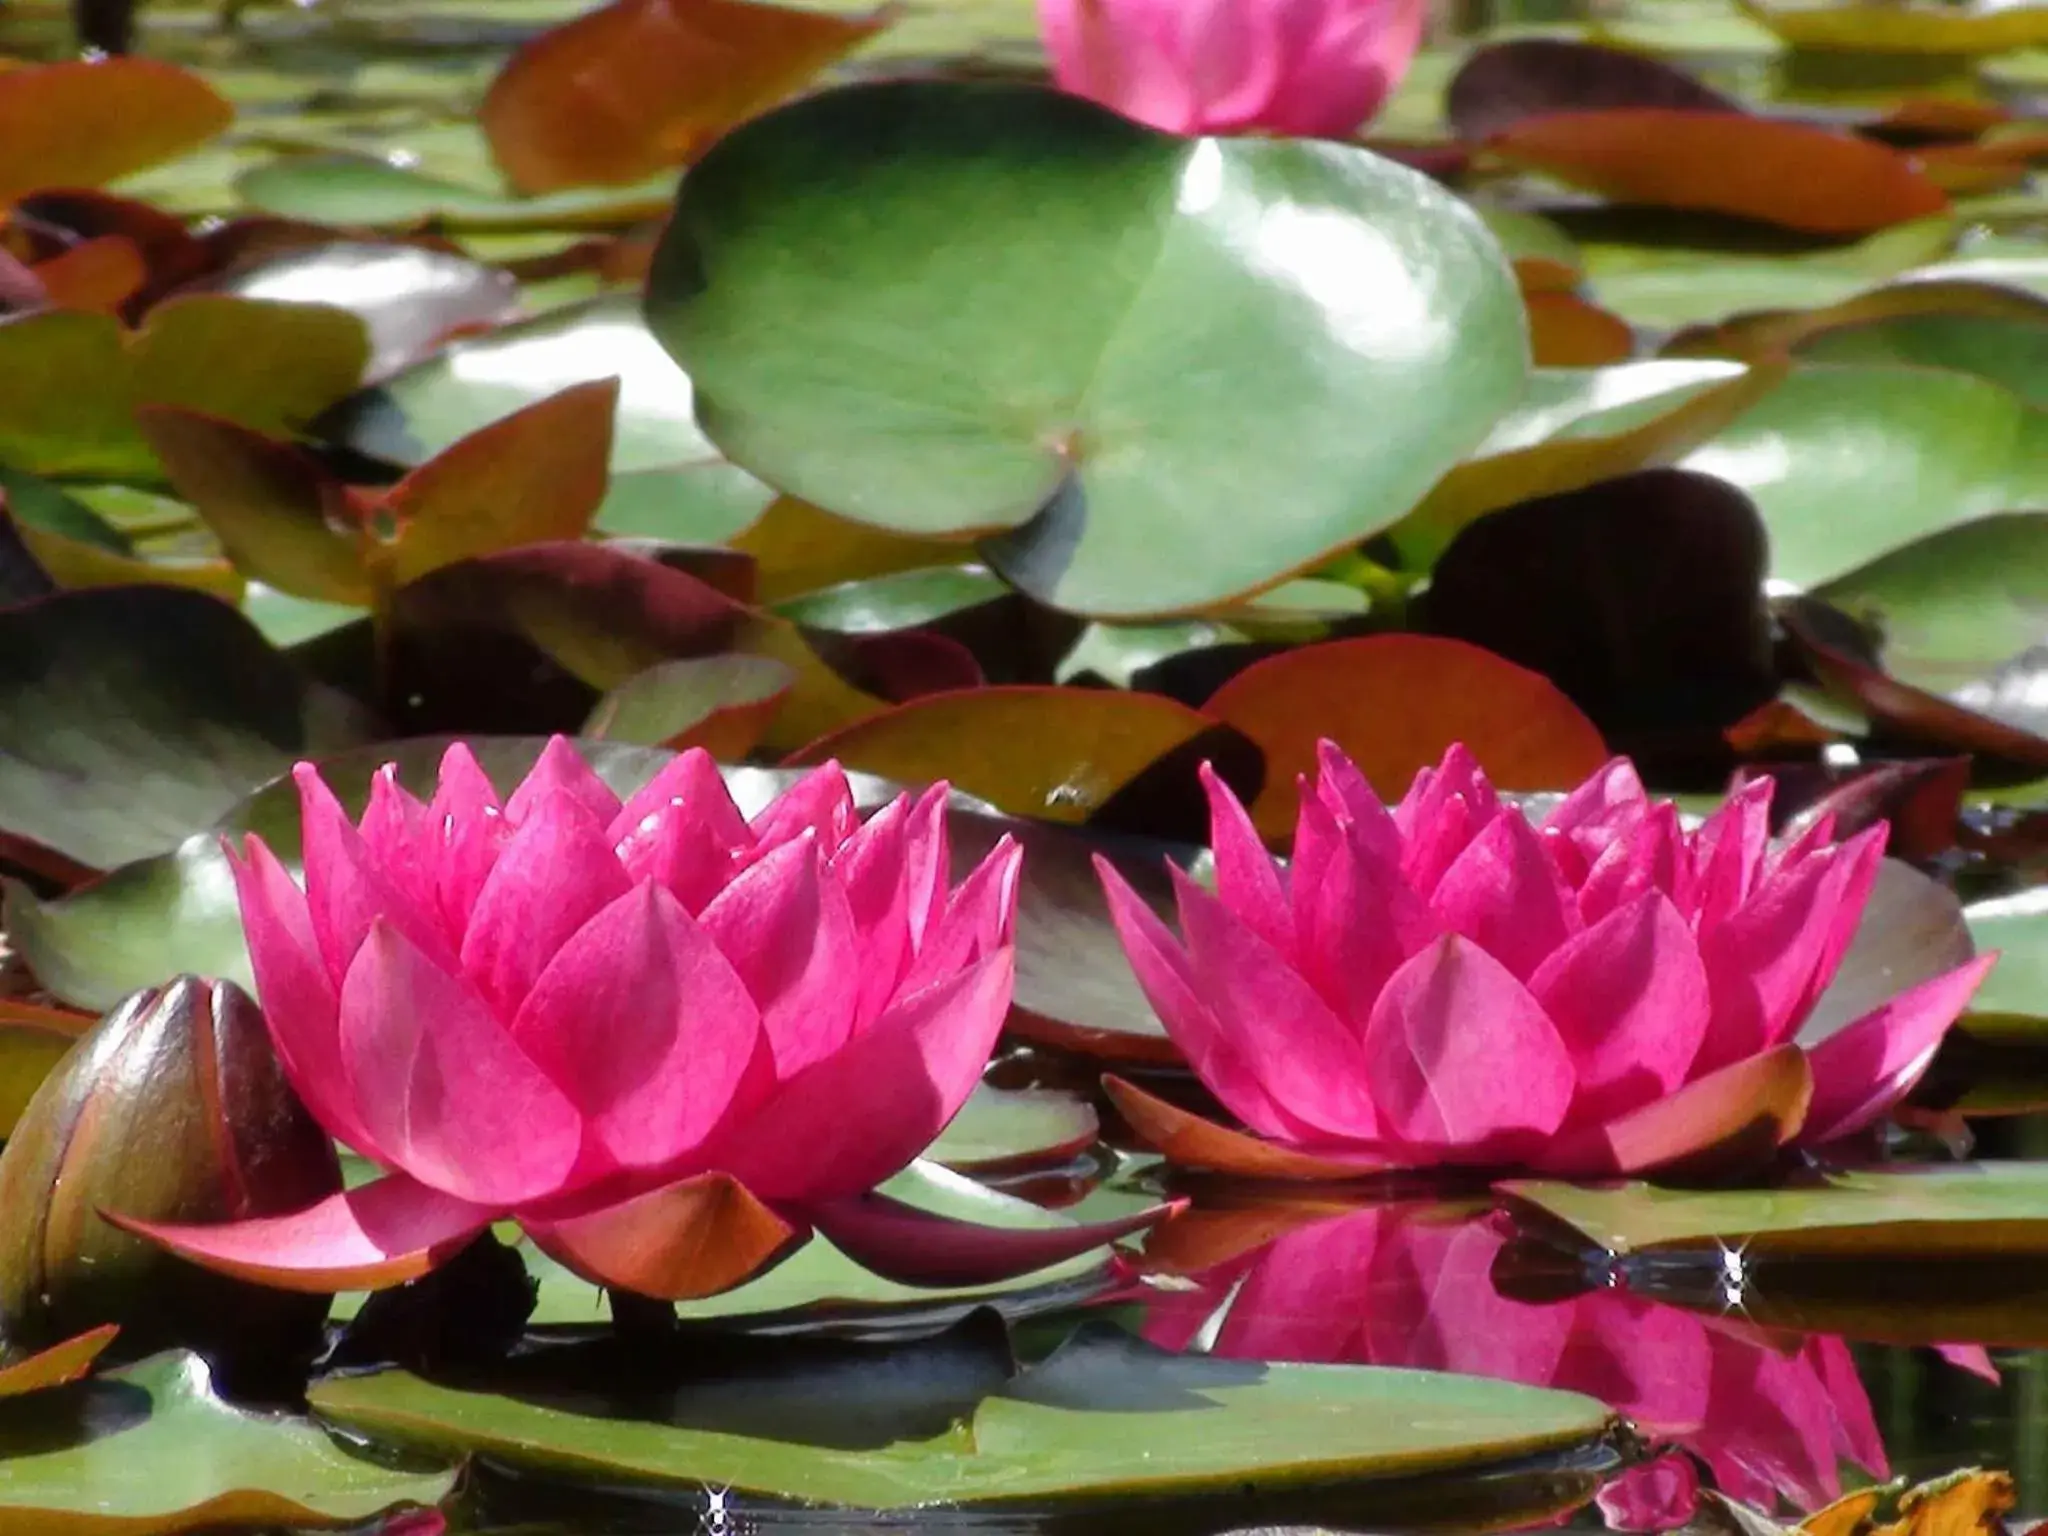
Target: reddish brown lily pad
(83,122)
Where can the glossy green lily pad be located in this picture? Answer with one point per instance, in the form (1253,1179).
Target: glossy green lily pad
(130,716)
(1070,369)
(151,1450)
(362,190)
(1952,1210)
(2012,1004)
(1104,1416)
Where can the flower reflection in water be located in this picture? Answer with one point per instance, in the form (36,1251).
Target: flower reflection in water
(1769,1414)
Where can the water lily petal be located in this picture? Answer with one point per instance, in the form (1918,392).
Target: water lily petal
(913,1247)
(644,1024)
(821,800)
(1168,981)
(400,838)
(1843,897)
(555,873)
(1727,854)
(1761,959)
(1347,795)
(441,1087)
(346,891)
(1603,807)
(979,918)
(1648,858)
(1247,880)
(381,1234)
(1504,894)
(844,1124)
(470,828)
(697,1237)
(1462,1058)
(300,1004)
(1629,999)
(1309,1061)
(789,936)
(690,784)
(927,862)
(1189,1141)
(1727,1122)
(1863,1069)
(872,867)
(1361,923)
(1312,1294)
(561,772)
(1660,1495)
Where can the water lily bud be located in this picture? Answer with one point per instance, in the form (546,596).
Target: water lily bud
(172,1108)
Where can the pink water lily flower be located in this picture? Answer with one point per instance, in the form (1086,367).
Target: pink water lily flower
(1314,68)
(1447,982)
(666,1041)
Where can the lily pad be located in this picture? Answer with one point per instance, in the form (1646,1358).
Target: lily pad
(131,715)
(2013,1002)
(1957,1210)
(1003,1129)
(1104,1416)
(150,1451)
(364,191)
(1039,376)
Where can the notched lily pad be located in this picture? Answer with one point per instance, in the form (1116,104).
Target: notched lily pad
(150,1451)
(1039,384)
(1104,1416)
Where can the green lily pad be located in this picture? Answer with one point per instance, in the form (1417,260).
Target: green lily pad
(668,481)
(1951,1210)
(1003,1129)
(150,1450)
(1104,1416)
(131,715)
(364,191)
(1847,464)
(898,600)
(2012,1004)
(1073,361)
(2004,350)
(1949,609)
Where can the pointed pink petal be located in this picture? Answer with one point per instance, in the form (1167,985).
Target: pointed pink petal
(1362,924)
(1973,1358)
(1727,853)
(692,785)
(561,771)
(844,1124)
(1118,57)
(1629,999)
(401,840)
(1845,895)
(1310,1062)
(1462,1057)
(299,1002)
(789,937)
(1863,1069)
(912,1247)
(927,862)
(642,1022)
(1247,881)
(1457,777)
(346,891)
(822,800)
(979,919)
(1605,805)
(1169,985)
(442,1088)
(379,1235)
(1761,960)
(555,873)
(470,827)
(872,867)
(692,856)
(1504,894)
(1647,859)
(1437,838)
(1344,792)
